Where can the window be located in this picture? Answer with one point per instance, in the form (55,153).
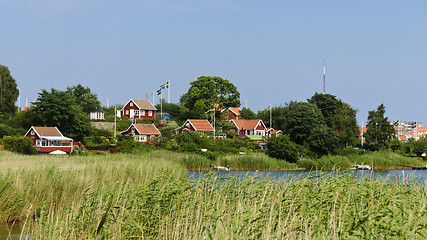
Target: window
(32,132)
(143,112)
(150,113)
(136,112)
(131,104)
(44,143)
(127,112)
(133,129)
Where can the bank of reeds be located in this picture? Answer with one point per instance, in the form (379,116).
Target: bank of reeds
(254,161)
(380,160)
(149,197)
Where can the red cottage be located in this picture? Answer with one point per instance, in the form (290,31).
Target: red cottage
(138,109)
(250,126)
(49,139)
(196,125)
(230,113)
(142,132)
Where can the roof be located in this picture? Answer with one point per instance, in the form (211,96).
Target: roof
(235,110)
(200,125)
(55,138)
(144,104)
(26,109)
(148,129)
(47,131)
(247,124)
(97,110)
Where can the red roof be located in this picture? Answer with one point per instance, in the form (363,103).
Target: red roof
(246,124)
(148,129)
(235,110)
(201,125)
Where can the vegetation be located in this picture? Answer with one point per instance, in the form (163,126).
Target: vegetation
(19,144)
(138,196)
(379,131)
(8,92)
(205,93)
(282,147)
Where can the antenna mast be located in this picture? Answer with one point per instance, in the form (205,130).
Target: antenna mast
(324,76)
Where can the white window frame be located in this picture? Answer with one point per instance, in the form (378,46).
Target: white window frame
(143,112)
(150,113)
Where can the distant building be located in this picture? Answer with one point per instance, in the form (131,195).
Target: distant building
(250,127)
(230,113)
(142,132)
(49,139)
(138,109)
(96,114)
(196,125)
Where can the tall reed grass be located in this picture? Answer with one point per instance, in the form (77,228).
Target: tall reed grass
(380,160)
(148,196)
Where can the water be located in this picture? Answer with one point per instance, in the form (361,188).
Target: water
(392,175)
(10,231)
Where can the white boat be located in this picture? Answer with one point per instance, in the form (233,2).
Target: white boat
(220,168)
(361,167)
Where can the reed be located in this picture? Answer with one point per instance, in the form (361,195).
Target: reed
(380,160)
(147,196)
(254,161)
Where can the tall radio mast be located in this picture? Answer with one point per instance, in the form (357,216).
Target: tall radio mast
(324,76)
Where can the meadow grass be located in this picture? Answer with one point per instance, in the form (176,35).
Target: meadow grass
(380,160)
(148,196)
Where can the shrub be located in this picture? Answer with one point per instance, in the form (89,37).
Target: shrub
(19,144)
(282,147)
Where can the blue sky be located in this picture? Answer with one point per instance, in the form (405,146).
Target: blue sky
(376,51)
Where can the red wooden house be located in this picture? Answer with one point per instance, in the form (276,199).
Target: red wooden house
(196,125)
(250,127)
(273,132)
(138,109)
(49,139)
(142,132)
(230,113)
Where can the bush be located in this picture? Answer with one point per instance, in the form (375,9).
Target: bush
(282,147)
(19,144)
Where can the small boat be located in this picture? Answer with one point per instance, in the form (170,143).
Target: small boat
(220,168)
(362,167)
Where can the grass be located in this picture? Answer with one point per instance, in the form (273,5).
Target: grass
(380,160)
(147,196)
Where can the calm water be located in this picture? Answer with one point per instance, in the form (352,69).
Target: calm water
(416,175)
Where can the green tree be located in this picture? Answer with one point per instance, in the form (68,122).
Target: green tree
(278,117)
(8,92)
(322,140)
(379,131)
(172,109)
(344,123)
(282,147)
(300,119)
(207,92)
(247,113)
(59,109)
(328,105)
(85,98)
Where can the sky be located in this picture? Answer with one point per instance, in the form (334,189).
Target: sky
(272,50)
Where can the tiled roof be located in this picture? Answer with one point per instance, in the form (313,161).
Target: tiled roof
(246,124)
(148,129)
(235,110)
(47,131)
(201,125)
(144,104)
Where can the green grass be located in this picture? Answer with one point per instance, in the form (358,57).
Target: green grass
(254,161)
(380,160)
(147,196)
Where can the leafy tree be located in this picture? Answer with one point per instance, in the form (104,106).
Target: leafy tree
(191,142)
(8,92)
(278,117)
(419,147)
(328,105)
(85,98)
(344,123)
(247,113)
(395,144)
(282,147)
(379,130)
(207,92)
(300,119)
(173,109)
(59,109)
(322,140)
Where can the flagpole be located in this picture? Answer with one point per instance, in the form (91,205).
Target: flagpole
(115,122)
(169,92)
(154,102)
(161,106)
(214,124)
(270,116)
